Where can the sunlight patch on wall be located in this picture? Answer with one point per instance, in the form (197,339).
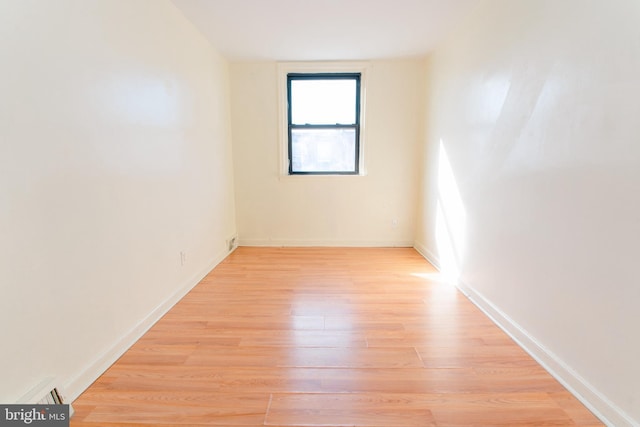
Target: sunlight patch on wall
(451,219)
(488,98)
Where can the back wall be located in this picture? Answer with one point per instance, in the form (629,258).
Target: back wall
(377,209)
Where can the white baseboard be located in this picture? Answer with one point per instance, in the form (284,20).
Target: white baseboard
(427,254)
(596,402)
(36,393)
(603,408)
(77,385)
(326,243)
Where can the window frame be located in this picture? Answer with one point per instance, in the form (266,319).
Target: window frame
(355,126)
(326,68)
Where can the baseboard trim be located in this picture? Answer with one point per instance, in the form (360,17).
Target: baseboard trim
(427,254)
(77,385)
(596,402)
(325,243)
(609,413)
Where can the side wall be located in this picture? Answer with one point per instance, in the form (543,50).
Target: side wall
(531,184)
(377,209)
(115,157)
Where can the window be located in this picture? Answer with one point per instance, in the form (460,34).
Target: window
(323,123)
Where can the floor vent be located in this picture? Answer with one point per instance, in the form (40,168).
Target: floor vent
(232,243)
(40,396)
(52,398)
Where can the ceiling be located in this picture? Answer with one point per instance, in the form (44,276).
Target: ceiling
(304,30)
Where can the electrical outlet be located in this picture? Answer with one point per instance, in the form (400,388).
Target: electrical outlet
(394,223)
(183,258)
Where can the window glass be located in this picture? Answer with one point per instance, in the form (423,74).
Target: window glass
(323,101)
(316,150)
(324,123)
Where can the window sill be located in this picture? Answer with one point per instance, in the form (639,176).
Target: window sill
(319,177)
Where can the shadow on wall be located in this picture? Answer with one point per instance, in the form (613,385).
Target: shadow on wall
(451,219)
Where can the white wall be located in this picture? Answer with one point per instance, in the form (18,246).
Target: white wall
(537,104)
(114,157)
(329,210)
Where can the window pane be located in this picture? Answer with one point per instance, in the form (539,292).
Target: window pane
(323,102)
(323,150)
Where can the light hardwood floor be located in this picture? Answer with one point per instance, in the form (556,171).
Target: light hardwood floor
(326,337)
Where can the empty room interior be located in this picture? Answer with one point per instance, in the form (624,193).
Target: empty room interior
(196,232)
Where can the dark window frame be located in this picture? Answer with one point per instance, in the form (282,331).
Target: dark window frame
(356,126)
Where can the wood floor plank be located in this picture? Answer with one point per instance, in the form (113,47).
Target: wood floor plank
(349,409)
(474,355)
(305,357)
(326,337)
(576,410)
(499,409)
(268,323)
(160,408)
(459,380)
(511,379)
